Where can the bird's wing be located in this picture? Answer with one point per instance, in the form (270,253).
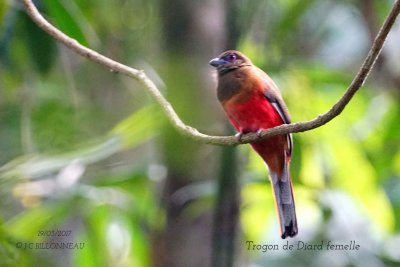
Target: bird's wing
(274,98)
(279,106)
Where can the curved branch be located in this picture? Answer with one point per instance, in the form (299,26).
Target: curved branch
(191,132)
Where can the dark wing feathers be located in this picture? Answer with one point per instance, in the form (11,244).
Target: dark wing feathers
(278,104)
(280,107)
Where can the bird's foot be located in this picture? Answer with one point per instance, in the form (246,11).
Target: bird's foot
(239,136)
(259,133)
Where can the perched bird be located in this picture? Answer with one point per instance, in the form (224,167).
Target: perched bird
(252,102)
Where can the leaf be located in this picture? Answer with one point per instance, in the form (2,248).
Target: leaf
(27,224)
(257,208)
(140,126)
(136,129)
(40,46)
(8,18)
(3,9)
(65,21)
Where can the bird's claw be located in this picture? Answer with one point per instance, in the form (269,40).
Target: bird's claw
(239,136)
(259,133)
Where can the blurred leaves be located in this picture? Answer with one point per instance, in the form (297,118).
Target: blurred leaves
(40,46)
(140,126)
(65,20)
(36,47)
(126,134)
(8,18)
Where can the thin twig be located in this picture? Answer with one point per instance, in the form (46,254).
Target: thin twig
(191,132)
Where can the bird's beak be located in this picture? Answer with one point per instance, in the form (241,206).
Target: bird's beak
(216,62)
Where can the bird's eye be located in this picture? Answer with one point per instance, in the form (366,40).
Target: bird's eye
(231,57)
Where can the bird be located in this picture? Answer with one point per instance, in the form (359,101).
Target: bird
(252,102)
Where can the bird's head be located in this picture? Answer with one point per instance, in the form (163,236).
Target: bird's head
(230,60)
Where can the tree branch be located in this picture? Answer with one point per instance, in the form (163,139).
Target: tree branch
(191,132)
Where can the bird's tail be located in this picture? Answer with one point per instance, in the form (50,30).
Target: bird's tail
(284,202)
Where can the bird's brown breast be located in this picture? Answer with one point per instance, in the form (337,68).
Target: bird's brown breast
(238,86)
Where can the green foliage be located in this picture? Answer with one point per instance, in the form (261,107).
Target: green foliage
(53,138)
(40,46)
(140,126)
(64,19)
